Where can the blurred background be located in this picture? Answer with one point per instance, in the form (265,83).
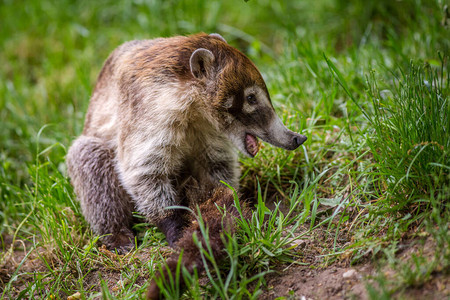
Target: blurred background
(52,51)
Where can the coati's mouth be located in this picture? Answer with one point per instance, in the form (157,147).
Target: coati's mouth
(251,144)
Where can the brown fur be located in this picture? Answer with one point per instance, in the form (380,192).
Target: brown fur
(218,222)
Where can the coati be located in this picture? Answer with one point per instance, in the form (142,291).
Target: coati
(161,128)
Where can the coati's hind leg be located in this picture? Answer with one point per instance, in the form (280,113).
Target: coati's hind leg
(104,203)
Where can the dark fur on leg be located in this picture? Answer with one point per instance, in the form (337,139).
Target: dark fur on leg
(218,223)
(105,204)
(173,226)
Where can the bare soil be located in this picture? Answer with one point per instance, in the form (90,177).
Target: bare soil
(340,280)
(304,282)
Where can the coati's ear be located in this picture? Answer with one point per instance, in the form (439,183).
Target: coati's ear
(218,36)
(202,63)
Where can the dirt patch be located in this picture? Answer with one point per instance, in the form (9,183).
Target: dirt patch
(304,282)
(339,280)
(316,275)
(14,259)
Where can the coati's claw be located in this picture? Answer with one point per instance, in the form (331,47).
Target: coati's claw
(122,242)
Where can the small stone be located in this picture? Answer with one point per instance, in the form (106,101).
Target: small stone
(298,244)
(75,296)
(350,273)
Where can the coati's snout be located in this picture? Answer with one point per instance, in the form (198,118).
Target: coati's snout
(298,140)
(278,135)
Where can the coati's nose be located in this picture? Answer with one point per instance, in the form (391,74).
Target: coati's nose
(298,140)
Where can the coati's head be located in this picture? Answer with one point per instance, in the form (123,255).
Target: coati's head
(238,97)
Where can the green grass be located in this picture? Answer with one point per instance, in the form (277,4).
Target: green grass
(367,83)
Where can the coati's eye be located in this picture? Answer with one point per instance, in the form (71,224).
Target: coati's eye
(251,99)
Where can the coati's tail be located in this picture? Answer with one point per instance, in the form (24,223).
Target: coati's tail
(217,223)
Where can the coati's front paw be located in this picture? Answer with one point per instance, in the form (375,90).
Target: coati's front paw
(173,227)
(122,242)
